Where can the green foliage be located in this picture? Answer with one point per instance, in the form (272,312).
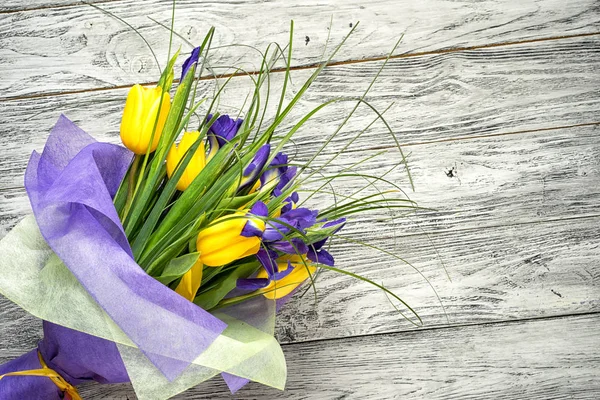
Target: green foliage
(162,223)
(218,288)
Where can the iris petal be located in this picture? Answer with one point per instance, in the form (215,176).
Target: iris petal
(321,257)
(251,229)
(191,60)
(259,209)
(267,259)
(255,167)
(294,246)
(282,274)
(252,283)
(224,128)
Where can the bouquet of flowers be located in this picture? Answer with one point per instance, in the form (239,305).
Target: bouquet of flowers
(163,263)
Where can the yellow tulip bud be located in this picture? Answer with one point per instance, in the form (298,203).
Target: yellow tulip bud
(284,286)
(196,164)
(222,242)
(139,117)
(190,281)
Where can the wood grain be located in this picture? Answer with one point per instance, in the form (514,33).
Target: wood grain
(502,141)
(55,50)
(12,6)
(555,358)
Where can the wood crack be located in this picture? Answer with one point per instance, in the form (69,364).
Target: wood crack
(492,226)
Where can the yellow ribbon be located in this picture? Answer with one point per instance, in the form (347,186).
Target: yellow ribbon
(69,390)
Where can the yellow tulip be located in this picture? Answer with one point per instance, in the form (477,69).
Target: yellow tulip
(196,164)
(222,242)
(190,281)
(139,117)
(284,286)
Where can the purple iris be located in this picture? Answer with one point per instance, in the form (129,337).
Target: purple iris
(275,243)
(250,229)
(293,246)
(340,222)
(316,253)
(284,179)
(268,259)
(255,167)
(278,171)
(223,129)
(277,167)
(298,218)
(191,60)
(288,204)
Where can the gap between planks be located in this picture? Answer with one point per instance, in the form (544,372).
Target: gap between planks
(314,66)
(448,326)
(481,228)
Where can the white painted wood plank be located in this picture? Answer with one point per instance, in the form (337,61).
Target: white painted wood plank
(78,48)
(554,172)
(498,274)
(511,179)
(540,359)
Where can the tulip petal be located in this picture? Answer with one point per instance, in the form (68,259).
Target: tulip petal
(282,274)
(228,253)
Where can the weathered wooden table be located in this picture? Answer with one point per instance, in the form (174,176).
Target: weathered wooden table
(496,103)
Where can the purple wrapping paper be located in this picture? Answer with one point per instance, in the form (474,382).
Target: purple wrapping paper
(26,387)
(70,186)
(76,356)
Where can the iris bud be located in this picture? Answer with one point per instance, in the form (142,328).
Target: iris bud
(139,118)
(178,153)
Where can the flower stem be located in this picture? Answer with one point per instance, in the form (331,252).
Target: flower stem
(131,185)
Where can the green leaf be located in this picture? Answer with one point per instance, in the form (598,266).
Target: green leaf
(237,202)
(166,78)
(224,285)
(178,267)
